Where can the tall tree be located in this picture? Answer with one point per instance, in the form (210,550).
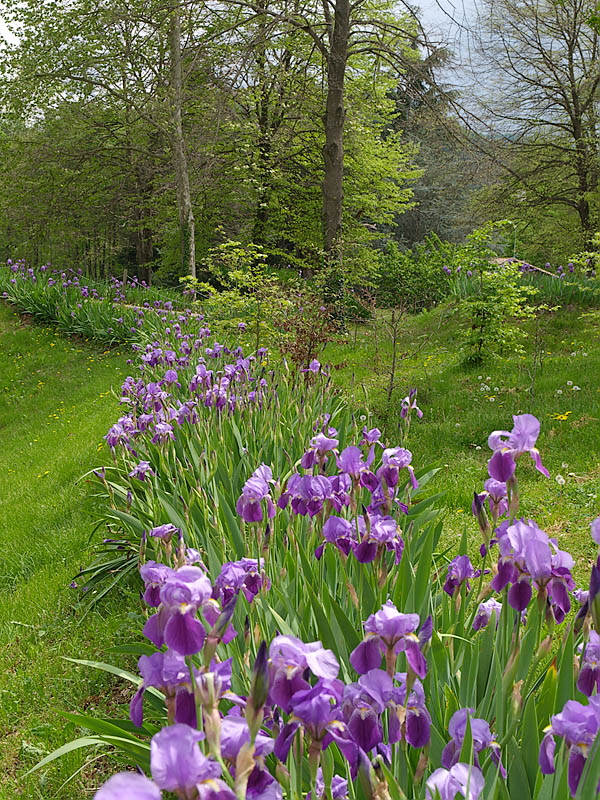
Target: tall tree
(128,53)
(537,86)
(180,162)
(344,31)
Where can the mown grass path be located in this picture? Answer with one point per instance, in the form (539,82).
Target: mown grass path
(55,407)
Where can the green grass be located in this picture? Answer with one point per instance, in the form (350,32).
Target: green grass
(55,407)
(458,415)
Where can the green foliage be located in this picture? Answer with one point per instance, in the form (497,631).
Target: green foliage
(589,259)
(411,280)
(90,177)
(565,289)
(496,302)
(238,291)
(419,278)
(233,266)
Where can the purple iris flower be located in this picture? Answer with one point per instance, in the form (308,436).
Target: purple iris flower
(339,787)
(186,413)
(154,397)
(245,575)
(501,466)
(370,436)
(589,673)
(176,623)
(165,532)
(116,435)
(484,613)
(581,595)
(578,725)
(340,532)
(309,493)
(393,460)
(177,765)
(169,673)
(163,432)
(596,530)
(522,439)
(362,715)
(417,730)
(256,489)
(235,734)
(340,488)
(350,461)
(462,779)
(262,785)
(480,733)
(320,445)
(528,555)
(410,404)
(497,493)
(378,533)
(131,785)
(365,702)
(317,710)
(154,575)
(322,424)
(144,421)
(289,658)
(389,632)
(460,570)
(219,619)
(141,470)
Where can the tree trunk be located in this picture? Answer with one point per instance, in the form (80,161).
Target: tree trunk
(144,252)
(180,165)
(333,151)
(333,158)
(264,132)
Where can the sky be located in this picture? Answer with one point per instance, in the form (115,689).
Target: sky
(5,33)
(447,15)
(447,20)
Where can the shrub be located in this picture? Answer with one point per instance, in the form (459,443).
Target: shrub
(496,301)
(304,325)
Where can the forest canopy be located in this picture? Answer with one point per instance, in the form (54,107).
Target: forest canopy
(139,136)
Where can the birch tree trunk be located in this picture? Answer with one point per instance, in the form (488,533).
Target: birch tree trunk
(180,165)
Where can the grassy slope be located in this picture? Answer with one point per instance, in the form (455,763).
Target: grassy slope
(55,406)
(459,415)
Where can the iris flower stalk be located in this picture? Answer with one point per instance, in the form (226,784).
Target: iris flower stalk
(197,700)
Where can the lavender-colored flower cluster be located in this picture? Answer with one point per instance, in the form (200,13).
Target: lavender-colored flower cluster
(295,687)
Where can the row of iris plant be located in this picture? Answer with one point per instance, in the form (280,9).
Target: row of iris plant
(308,632)
(111,312)
(450,696)
(570,285)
